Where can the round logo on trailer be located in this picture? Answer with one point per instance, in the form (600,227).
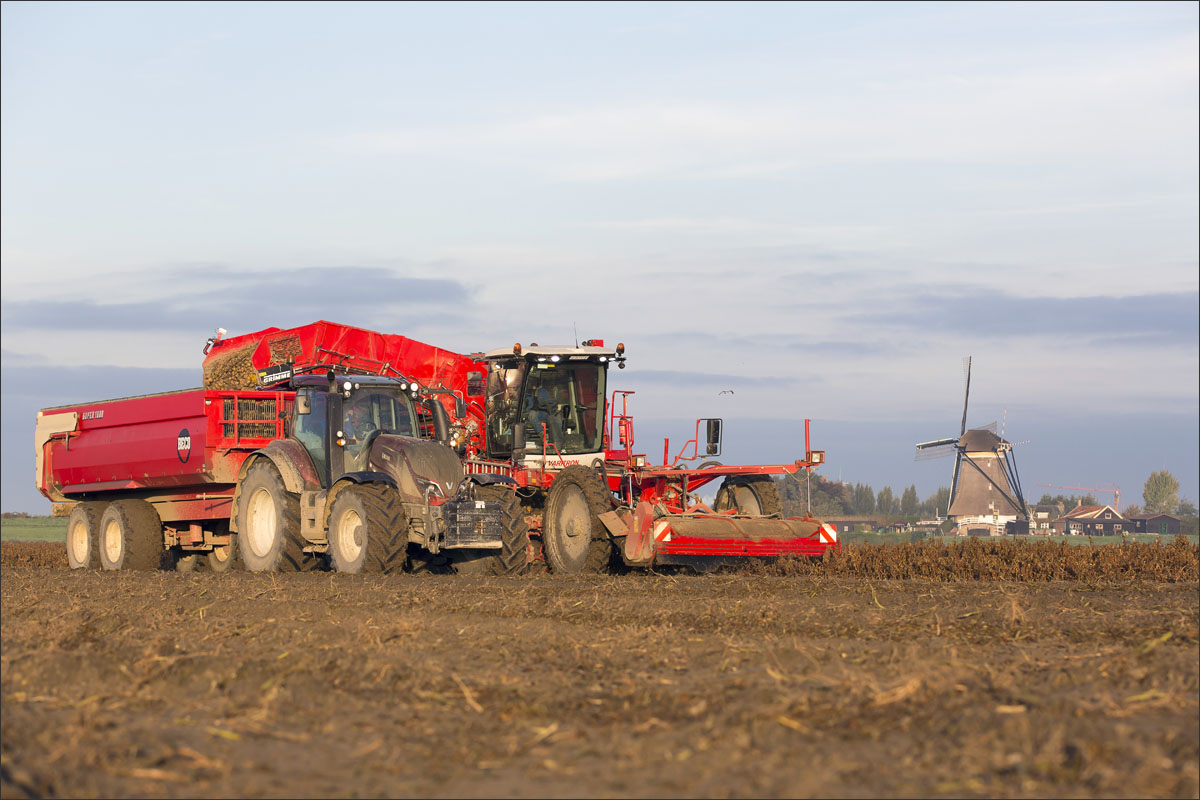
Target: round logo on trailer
(184,445)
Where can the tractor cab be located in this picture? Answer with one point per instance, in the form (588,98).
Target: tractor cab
(339,417)
(548,400)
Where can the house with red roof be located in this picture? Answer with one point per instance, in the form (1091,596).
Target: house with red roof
(1093,521)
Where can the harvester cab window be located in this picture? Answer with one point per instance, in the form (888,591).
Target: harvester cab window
(568,399)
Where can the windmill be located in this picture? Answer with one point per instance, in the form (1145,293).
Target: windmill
(985,489)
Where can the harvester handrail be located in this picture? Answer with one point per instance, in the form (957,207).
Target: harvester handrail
(622,420)
(695,443)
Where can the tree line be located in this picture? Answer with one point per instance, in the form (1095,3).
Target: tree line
(1160,495)
(837,499)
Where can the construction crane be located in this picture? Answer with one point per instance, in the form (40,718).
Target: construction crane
(1114,491)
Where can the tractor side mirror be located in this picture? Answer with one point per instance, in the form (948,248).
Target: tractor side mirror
(303,403)
(713,446)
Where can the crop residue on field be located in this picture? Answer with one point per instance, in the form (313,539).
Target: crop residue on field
(752,683)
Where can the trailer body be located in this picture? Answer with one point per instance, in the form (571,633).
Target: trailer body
(181,451)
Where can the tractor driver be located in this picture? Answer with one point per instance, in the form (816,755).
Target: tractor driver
(358,419)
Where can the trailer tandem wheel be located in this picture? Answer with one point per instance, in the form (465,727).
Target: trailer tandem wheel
(513,556)
(366,530)
(83,531)
(269,523)
(130,536)
(572,538)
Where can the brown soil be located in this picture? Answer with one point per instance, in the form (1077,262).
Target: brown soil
(788,681)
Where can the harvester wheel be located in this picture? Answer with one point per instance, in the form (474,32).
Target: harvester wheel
(513,556)
(269,524)
(83,528)
(366,530)
(573,539)
(130,536)
(750,495)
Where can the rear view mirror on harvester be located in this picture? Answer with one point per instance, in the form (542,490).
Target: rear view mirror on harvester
(713,447)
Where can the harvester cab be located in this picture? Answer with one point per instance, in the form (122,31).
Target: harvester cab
(547,403)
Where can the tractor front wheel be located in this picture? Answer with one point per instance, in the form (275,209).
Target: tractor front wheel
(365,530)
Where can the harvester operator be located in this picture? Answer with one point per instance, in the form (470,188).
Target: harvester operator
(542,406)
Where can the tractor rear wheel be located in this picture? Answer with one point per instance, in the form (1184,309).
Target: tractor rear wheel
(513,556)
(573,539)
(749,495)
(83,527)
(269,524)
(366,530)
(130,536)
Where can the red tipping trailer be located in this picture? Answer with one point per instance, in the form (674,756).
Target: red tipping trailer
(181,452)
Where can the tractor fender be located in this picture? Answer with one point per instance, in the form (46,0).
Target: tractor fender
(294,465)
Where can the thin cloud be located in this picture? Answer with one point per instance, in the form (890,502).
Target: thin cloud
(251,300)
(725,380)
(1161,318)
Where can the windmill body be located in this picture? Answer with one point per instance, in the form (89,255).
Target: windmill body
(983,501)
(985,490)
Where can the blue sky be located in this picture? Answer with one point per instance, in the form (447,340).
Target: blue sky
(823,207)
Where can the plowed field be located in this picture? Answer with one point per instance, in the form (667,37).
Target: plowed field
(904,673)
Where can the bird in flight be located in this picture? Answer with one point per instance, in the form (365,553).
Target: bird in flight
(727,391)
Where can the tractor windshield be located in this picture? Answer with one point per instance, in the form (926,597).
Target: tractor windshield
(377,409)
(562,401)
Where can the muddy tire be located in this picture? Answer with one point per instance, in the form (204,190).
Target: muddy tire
(513,556)
(187,562)
(367,531)
(219,559)
(83,531)
(130,537)
(573,539)
(269,524)
(222,559)
(749,495)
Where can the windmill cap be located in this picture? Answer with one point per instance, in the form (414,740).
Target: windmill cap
(980,440)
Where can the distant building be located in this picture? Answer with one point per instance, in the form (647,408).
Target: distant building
(851,524)
(1162,524)
(1042,516)
(1093,521)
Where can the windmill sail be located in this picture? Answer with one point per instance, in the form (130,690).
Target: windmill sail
(962,431)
